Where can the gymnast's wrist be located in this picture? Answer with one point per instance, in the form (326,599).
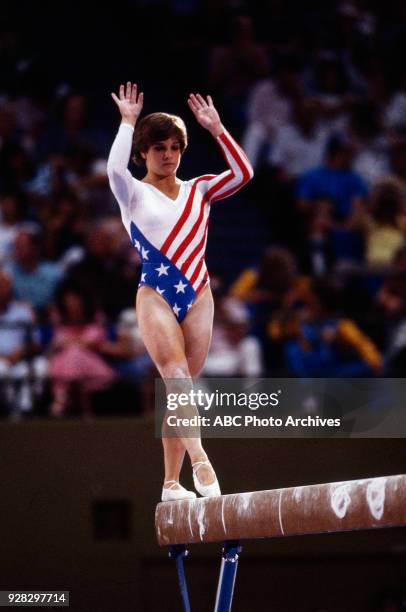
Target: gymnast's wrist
(129,121)
(217,130)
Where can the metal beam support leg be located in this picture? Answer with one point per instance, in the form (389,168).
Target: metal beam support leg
(178,553)
(228,571)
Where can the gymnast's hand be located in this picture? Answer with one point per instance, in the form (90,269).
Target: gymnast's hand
(206,114)
(129,103)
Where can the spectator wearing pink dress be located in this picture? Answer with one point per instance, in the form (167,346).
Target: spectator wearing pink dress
(75,361)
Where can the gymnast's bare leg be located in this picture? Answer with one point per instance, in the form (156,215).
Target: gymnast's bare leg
(179,352)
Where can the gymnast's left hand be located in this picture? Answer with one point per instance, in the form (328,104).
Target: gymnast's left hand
(206,114)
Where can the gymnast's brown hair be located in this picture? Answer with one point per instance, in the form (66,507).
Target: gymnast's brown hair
(154,128)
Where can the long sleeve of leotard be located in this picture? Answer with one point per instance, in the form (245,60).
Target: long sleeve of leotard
(122,183)
(239,173)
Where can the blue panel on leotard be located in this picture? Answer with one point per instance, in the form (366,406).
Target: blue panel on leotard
(162,275)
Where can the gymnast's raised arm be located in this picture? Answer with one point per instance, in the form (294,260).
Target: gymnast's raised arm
(240,170)
(130,104)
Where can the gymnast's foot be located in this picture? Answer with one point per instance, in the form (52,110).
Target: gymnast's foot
(205,479)
(172,491)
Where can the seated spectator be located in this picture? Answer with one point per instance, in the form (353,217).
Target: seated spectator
(75,355)
(130,359)
(337,182)
(264,290)
(80,172)
(107,271)
(63,218)
(34,279)
(299,145)
(233,352)
(319,342)
(72,129)
(269,284)
(387,223)
(19,343)
(269,109)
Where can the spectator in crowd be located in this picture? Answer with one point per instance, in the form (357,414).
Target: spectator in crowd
(319,341)
(73,130)
(387,224)
(336,181)
(264,290)
(64,220)
(330,85)
(269,109)
(299,145)
(269,284)
(233,351)
(19,348)
(106,271)
(75,352)
(127,354)
(34,279)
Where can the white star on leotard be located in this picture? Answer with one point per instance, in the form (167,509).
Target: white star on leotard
(176,309)
(160,291)
(180,287)
(144,253)
(162,270)
(137,244)
(190,305)
(143,275)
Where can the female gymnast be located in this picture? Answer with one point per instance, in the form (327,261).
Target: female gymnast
(167,221)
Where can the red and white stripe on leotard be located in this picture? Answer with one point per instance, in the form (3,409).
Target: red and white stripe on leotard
(185,246)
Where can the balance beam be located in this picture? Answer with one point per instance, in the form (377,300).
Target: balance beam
(332,507)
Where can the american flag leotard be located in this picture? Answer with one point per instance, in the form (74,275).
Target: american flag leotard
(171,235)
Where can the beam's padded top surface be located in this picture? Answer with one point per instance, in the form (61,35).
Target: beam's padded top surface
(336,506)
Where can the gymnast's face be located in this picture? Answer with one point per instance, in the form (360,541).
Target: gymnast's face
(163,158)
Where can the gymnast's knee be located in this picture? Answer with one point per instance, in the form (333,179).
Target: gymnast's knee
(175,370)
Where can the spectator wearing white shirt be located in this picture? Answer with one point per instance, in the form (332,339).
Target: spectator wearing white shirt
(299,144)
(18,342)
(269,108)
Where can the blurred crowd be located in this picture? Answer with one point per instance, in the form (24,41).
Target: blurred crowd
(316,93)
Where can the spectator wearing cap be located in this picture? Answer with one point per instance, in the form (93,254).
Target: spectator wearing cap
(335,181)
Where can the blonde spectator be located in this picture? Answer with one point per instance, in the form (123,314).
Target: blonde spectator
(386,224)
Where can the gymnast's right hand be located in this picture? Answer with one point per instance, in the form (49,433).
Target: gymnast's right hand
(129,103)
